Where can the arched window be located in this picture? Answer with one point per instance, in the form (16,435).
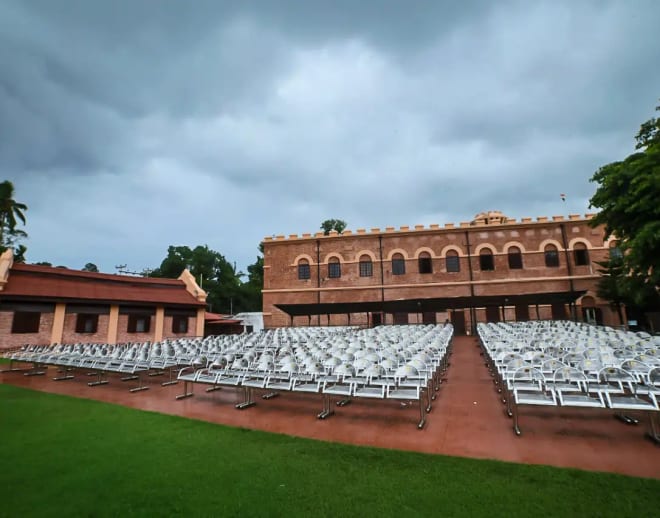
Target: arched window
(398,265)
(580,254)
(304,272)
(366,266)
(486,260)
(551,256)
(453,262)
(515,258)
(425,263)
(334,268)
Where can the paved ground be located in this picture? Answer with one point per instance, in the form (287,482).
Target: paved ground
(467,420)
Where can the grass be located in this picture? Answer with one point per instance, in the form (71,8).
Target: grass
(66,456)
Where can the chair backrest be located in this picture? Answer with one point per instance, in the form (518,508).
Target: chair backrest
(653,377)
(636,367)
(569,374)
(573,359)
(552,365)
(527,374)
(345,369)
(615,375)
(590,365)
(406,370)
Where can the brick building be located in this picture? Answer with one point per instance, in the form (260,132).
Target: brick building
(42,305)
(493,268)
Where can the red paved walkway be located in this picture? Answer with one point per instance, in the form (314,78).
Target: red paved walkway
(467,420)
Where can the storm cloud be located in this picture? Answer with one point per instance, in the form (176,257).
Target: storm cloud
(129,126)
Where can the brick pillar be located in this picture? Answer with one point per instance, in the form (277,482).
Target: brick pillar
(113,324)
(160,321)
(58,323)
(199,329)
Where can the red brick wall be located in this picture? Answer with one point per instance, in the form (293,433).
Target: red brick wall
(10,340)
(167,328)
(70,336)
(124,336)
(281,272)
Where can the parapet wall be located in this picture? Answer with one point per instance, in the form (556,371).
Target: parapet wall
(509,222)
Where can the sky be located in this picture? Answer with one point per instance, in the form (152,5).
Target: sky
(132,125)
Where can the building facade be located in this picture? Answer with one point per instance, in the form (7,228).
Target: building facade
(493,268)
(45,305)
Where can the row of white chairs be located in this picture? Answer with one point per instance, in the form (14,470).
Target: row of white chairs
(402,363)
(339,361)
(571,364)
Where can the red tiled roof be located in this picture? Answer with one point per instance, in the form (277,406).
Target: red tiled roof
(48,283)
(67,272)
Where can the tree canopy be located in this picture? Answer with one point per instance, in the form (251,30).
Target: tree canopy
(627,198)
(333,224)
(90,267)
(226,292)
(11,213)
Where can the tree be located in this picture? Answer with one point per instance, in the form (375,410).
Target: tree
(613,284)
(333,224)
(90,267)
(213,273)
(627,196)
(252,288)
(11,212)
(19,253)
(43,263)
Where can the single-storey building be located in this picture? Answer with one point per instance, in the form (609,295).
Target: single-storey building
(46,305)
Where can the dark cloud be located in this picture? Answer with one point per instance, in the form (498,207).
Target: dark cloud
(128,126)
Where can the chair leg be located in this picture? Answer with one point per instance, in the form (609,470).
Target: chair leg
(172,380)
(247,399)
(34,370)
(516,428)
(422,418)
(327,410)
(99,380)
(67,376)
(185,391)
(140,386)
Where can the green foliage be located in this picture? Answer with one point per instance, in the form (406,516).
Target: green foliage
(612,285)
(98,459)
(43,263)
(19,253)
(252,288)
(226,293)
(90,267)
(11,213)
(627,196)
(649,132)
(333,224)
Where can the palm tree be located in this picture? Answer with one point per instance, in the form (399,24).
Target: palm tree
(11,212)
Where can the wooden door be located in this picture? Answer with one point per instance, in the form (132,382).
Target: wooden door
(458,321)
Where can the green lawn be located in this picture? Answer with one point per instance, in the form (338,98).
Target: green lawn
(65,456)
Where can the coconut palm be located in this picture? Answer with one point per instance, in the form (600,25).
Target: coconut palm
(11,212)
